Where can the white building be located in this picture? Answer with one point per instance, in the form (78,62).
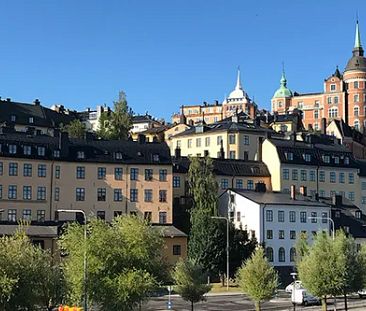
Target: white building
(276,219)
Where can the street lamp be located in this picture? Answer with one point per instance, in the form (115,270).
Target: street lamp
(227,248)
(329,219)
(293,274)
(85,262)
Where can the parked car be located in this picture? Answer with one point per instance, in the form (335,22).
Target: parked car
(301,296)
(289,288)
(362,293)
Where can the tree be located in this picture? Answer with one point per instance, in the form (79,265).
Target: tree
(190,281)
(116,124)
(124,262)
(76,129)
(257,278)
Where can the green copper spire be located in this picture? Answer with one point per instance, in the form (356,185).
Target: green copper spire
(357,37)
(283,91)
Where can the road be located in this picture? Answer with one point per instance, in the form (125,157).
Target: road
(240,302)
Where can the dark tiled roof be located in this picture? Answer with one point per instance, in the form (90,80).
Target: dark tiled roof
(307,94)
(169,231)
(143,118)
(278,198)
(42,116)
(227,167)
(362,166)
(316,152)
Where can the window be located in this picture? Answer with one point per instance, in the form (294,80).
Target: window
(163,175)
(27,193)
(42,169)
(314,217)
(312,175)
(292,254)
(176,181)
(281,216)
(118,173)
(162,195)
(303,175)
(134,173)
(356,98)
(80,155)
(12,192)
(27,150)
(27,170)
(12,215)
(101,194)
(27,214)
(341,178)
(41,215)
(56,153)
(250,184)
(269,254)
(346,160)
(307,157)
(12,149)
(13,169)
(80,172)
(13,118)
(41,193)
(351,196)
(231,139)
(324,217)
(162,217)
(358,214)
(232,154)
(333,113)
(218,140)
(224,183)
(147,216)
(321,176)
(57,172)
(117,194)
(363,185)
(101,215)
(189,143)
(336,100)
(246,140)
(332,177)
(118,155)
(351,178)
(148,195)
(355,111)
(1,168)
(133,195)
(285,174)
(80,194)
(269,215)
(41,151)
(102,172)
(332,87)
(177,251)
(292,216)
(303,217)
(57,194)
(238,216)
(294,174)
(363,200)
(207,141)
(329,100)
(292,234)
(281,254)
(148,174)
(198,142)
(281,234)
(355,84)
(289,156)
(322,193)
(326,158)
(239,184)
(269,234)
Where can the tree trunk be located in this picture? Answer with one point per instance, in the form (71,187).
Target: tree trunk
(258,306)
(345,302)
(324,304)
(191,305)
(222,279)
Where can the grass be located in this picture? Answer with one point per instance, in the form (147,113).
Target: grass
(218,288)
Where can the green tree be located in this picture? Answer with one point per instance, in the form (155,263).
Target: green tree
(124,262)
(116,124)
(76,129)
(257,278)
(190,281)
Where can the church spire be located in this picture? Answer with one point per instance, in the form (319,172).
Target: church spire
(238,82)
(357,49)
(283,80)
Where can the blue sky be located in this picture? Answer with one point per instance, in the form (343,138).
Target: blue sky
(165,54)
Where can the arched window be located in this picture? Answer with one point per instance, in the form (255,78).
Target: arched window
(292,254)
(281,254)
(355,111)
(333,112)
(269,254)
(356,125)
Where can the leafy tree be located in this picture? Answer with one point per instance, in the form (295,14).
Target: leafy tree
(191,281)
(75,128)
(257,278)
(302,246)
(116,124)
(124,262)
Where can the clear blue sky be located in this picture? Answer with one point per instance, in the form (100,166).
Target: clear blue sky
(163,54)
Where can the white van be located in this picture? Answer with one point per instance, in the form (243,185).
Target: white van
(301,296)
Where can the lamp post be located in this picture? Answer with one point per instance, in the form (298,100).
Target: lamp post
(227,248)
(329,219)
(85,260)
(293,274)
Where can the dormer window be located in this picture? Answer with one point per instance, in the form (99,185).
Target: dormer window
(336,160)
(346,160)
(358,214)
(27,150)
(13,118)
(56,153)
(118,156)
(156,158)
(337,214)
(41,151)
(12,149)
(31,120)
(307,157)
(289,156)
(80,155)
(326,158)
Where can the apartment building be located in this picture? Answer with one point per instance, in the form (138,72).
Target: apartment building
(319,163)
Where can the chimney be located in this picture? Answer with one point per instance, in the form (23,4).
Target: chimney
(323,126)
(36,102)
(63,144)
(260,147)
(221,152)
(260,187)
(337,200)
(257,121)
(177,153)
(216,102)
(141,139)
(303,191)
(205,153)
(8,99)
(293,192)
